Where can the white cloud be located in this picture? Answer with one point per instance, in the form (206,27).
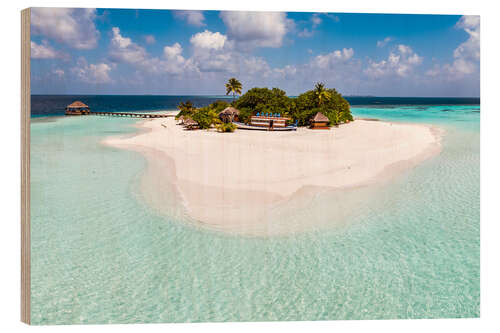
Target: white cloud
(400,62)
(44,51)
(192,17)
(74,27)
(150,39)
(173,51)
(124,50)
(310,26)
(208,40)
(384,42)
(329,60)
(92,73)
(466,55)
(256,29)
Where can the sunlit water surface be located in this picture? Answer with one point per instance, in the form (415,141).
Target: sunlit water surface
(100,255)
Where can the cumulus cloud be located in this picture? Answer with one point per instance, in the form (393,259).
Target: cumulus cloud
(72,26)
(466,55)
(310,26)
(325,61)
(192,17)
(124,50)
(256,29)
(208,40)
(45,51)
(384,42)
(400,63)
(173,51)
(92,73)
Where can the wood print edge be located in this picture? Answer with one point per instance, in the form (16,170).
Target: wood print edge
(25,168)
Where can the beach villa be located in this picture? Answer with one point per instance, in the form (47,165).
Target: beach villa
(269,120)
(229,114)
(77,108)
(320,121)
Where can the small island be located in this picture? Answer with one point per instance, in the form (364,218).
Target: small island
(268,109)
(233,182)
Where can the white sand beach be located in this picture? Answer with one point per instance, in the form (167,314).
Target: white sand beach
(230,181)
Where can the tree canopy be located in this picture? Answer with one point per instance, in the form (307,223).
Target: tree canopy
(233,86)
(301,109)
(264,100)
(332,105)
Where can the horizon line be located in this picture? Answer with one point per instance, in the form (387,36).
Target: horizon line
(223,95)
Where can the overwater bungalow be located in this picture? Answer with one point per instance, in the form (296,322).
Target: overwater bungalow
(320,121)
(77,108)
(229,114)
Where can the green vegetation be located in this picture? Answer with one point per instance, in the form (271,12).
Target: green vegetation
(186,109)
(206,117)
(327,101)
(225,127)
(264,100)
(234,87)
(301,109)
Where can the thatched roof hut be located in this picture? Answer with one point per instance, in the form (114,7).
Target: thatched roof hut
(320,121)
(190,123)
(77,108)
(180,120)
(229,114)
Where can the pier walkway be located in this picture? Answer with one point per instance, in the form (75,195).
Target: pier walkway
(132,115)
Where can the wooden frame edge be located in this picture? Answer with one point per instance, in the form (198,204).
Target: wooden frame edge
(25,167)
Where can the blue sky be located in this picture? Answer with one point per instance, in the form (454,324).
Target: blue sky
(121,51)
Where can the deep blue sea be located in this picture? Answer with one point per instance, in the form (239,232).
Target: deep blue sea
(53,105)
(101,255)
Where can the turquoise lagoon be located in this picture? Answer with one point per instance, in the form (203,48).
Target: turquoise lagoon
(100,255)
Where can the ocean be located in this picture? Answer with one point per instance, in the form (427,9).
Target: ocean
(101,255)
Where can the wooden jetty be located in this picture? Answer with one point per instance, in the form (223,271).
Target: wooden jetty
(131,114)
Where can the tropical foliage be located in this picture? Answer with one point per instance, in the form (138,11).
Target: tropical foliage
(206,117)
(225,127)
(331,104)
(322,94)
(233,86)
(186,109)
(258,100)
(299,109)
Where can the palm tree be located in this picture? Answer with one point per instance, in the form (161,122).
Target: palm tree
(185,108)
(322,94)
(233,86)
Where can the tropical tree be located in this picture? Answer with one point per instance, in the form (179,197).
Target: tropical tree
(205,117)
(335,107)
(322,94)
(186,109)
(233,86)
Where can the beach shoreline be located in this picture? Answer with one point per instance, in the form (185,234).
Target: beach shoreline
(231,181)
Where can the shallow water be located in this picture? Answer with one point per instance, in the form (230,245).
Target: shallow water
(100,255)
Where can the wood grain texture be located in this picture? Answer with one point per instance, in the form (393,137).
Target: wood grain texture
(25,168)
